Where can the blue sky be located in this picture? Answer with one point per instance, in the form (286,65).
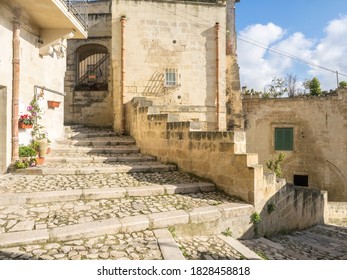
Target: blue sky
(314,30)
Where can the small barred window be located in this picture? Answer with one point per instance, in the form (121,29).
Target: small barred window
(171,77)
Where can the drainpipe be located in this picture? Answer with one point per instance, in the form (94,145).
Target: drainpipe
(15,84)
(217,75)
(122,82)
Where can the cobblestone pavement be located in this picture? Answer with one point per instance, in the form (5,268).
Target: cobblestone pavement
(327,242)
(51,215)
(33,183)
(206,248)
(320,242)
(134,246)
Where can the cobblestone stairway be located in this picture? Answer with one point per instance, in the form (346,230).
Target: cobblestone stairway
(322,242)
(97,197)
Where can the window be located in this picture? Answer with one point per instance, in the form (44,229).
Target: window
(301,180)
(284,139)
(171,77)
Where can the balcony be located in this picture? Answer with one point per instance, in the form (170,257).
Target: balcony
(59,17)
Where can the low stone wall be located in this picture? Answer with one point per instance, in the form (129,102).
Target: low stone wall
(337,212)
(217,156)
(92,108)
(221,157)
(291,208)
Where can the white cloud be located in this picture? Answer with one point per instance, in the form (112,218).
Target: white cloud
(258,65)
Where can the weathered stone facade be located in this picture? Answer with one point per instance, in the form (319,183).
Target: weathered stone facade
(221,157)
(180,35)
(90,106)
(32,53)
(319,143)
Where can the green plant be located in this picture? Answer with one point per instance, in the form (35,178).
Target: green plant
(27,151)
(314,86)
(21,164)
(271,207)
(343,84)
(172,231)
(26,119)
(227,232)
(274,165)
(255,218)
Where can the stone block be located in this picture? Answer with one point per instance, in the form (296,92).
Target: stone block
(85,230)
(23,238)
(135,223)
(13,199)
(204,214)
(23,226)
(104,193)
(52,196)
(165,219)
(146,190)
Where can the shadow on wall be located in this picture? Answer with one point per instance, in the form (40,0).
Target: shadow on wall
(322,174)
(291,208)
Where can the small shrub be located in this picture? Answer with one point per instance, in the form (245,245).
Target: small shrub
(255,218)
(227,232)
(26,151)
(274,165)
(271,207)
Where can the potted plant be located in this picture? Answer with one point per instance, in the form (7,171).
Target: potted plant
(27,157)
(25,121)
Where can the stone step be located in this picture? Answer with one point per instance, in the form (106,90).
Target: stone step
(87,135)
(97,142)
(98,168)
(63,221)
(121,149)
(37,183)
(7,199)
(99,159)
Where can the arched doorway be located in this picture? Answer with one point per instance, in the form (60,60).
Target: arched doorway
(92,67)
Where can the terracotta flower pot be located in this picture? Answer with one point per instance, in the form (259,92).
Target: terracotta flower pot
(53,104)
(24,126)
(40,160)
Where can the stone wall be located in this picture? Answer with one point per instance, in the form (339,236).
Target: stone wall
(47,71)
(320,142)
(221,157)
(171,34)
(292,208)
(337,212)
(217,156)
(90,107)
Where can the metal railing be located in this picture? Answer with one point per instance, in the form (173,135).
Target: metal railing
(79,9)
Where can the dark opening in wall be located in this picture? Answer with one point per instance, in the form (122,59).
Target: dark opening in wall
(301,180)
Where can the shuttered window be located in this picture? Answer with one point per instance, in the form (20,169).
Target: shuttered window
(284,139)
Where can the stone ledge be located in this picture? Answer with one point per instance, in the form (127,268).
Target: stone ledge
(238,246)
(23,237)
(91,229)
(168,246)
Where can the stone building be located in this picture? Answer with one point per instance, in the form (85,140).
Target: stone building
(311,131)
(175,53)
(32,61)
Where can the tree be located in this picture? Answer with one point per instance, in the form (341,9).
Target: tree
(314,86)
(343,84)
(291,84)
(276,89)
